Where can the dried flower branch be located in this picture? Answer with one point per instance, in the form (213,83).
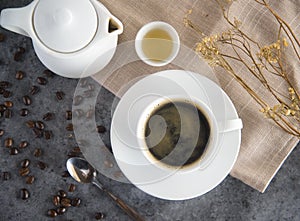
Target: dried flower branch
(263,62)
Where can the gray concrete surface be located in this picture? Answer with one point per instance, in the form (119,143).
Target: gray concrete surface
(231,200)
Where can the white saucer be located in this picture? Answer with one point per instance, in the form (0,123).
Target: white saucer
(129,156)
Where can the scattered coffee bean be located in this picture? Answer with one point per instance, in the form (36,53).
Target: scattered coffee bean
(48,73)
(25,163)
(2,37)
(66,202)
(88,94)
(6,176)
(41,81)
(5,84)
(20,75)
(21,50)
(37,152)
(41,165)
(1,132)
(23,144)
(70,127)
(38,133)
(8,104)
(48,134)
(65,174)
(60,95)
(90,113)
(24,112)
(68,115)
(40,125)
(62,193)
(27,100)
(83,82)
(61,210)
(30,179)
(34,90)
(78,113)
(99,216)
(48,116)
(56,200)
(72,188)
(7,113)
(7,94)
(14,151)
(101,129)
(52,213)
(24,194)
(91,87)
(24,171)
(76,202)
(8,142)
(77,100)
(18,56)
(30,124)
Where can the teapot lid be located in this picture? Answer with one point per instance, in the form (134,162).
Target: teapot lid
(65,25)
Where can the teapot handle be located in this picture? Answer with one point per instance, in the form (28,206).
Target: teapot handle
(18,19)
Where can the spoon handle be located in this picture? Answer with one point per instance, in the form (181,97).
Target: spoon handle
(130,212)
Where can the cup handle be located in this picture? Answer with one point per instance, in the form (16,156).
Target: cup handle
(230,125)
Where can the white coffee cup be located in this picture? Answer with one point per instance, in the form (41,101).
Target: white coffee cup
(157,42)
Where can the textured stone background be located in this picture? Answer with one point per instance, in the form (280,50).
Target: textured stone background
(231,200)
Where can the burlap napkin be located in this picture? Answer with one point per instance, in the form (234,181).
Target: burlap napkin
(264,146)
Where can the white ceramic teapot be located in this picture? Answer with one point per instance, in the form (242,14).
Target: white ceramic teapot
(73,38)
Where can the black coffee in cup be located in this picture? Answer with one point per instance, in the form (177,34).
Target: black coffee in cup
(177,133)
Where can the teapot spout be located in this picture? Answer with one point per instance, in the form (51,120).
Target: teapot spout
(115,25)
(18,19)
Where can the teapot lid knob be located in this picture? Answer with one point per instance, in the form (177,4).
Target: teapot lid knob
(65,25)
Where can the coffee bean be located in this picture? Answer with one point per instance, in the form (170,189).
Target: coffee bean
(78,113)
(77,100)
(48,134)
(30,124)
(8,142)
(41,81)
(56,200)
(25,163)
(99,216)
(41,165)
(40,125)
(70,127)
(6,176)
(8,104)
(38,133)
(83,82)
(2,108)
(37,152)
(8,113)
(91,87)
(7,94)
(30,179)
(2,37)
(48,73)
(27,100)
(34,90)
(60,95)
(23,144)
(24,194)
(20,75)
(52,213)
(66,202)
(61,210)
(24,171)
(5,84)
(65,174)
(1,132)
(101,129)
(18,56)
(62,193)
(24,112)
(72,188)
(90,113)
(88,94)
(48,116)
(68,115)
(76,202)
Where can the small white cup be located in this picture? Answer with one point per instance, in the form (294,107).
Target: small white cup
(157,25)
